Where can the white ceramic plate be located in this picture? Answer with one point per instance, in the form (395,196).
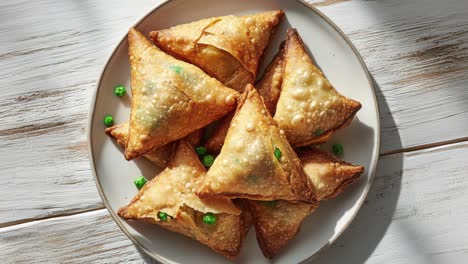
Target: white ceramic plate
(334,54)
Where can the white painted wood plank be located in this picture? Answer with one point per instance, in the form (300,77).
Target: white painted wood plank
(91,237)
(417,52)
(415,213)
(51,53)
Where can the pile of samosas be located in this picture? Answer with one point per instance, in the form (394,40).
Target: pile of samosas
(194,88)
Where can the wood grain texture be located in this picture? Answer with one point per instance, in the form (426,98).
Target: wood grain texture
(414,213)
(417,52)
(91,237)
(48,70)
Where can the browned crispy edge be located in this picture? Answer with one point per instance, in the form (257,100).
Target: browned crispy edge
(273,31)
(327,134)
(358,170)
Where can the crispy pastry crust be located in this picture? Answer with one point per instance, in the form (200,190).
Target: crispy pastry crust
(247,166)
(322,110)
(269,86)
(171,98)
(228,48)
(277,223)
(329,175)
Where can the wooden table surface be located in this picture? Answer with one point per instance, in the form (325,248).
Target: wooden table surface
(51,54)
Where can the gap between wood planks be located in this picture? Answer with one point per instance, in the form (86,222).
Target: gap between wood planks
(388,153)
(425,146)
(30,220)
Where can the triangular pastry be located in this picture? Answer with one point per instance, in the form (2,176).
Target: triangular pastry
(329,175)
(228,48)
(159,156)
(269,88)
(256,161)
(309,109)
(170,98)
(277,222)
(170,201)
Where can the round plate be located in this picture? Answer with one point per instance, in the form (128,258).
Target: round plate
(339,61)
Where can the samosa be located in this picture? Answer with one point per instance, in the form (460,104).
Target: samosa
(277,222)
(256,161)
(171,98)
(329,175)
(228,48)
(169,200)
(309,108)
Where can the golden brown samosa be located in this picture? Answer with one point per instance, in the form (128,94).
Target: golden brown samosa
(277,222)
(171,98)
(256,161)
(169,200)
(329,175)
(269,88)
(228,48)
(159,156)
(309,109)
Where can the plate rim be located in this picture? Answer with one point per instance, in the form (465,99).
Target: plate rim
(373,163)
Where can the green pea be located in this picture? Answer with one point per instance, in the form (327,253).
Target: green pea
(338,149)
(120,90)
(108,120)
(162,216)
(208,160)
(209,219)
(278,153)
(200,150)
(139,182)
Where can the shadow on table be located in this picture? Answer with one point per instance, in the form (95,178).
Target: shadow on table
(360,240)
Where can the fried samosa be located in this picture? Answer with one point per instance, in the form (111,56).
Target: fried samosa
(269,88)
(171,98)
(277,222)
(159,156)
(228,48)
(329,175)
(309,109)
(256,161)
(170,201)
